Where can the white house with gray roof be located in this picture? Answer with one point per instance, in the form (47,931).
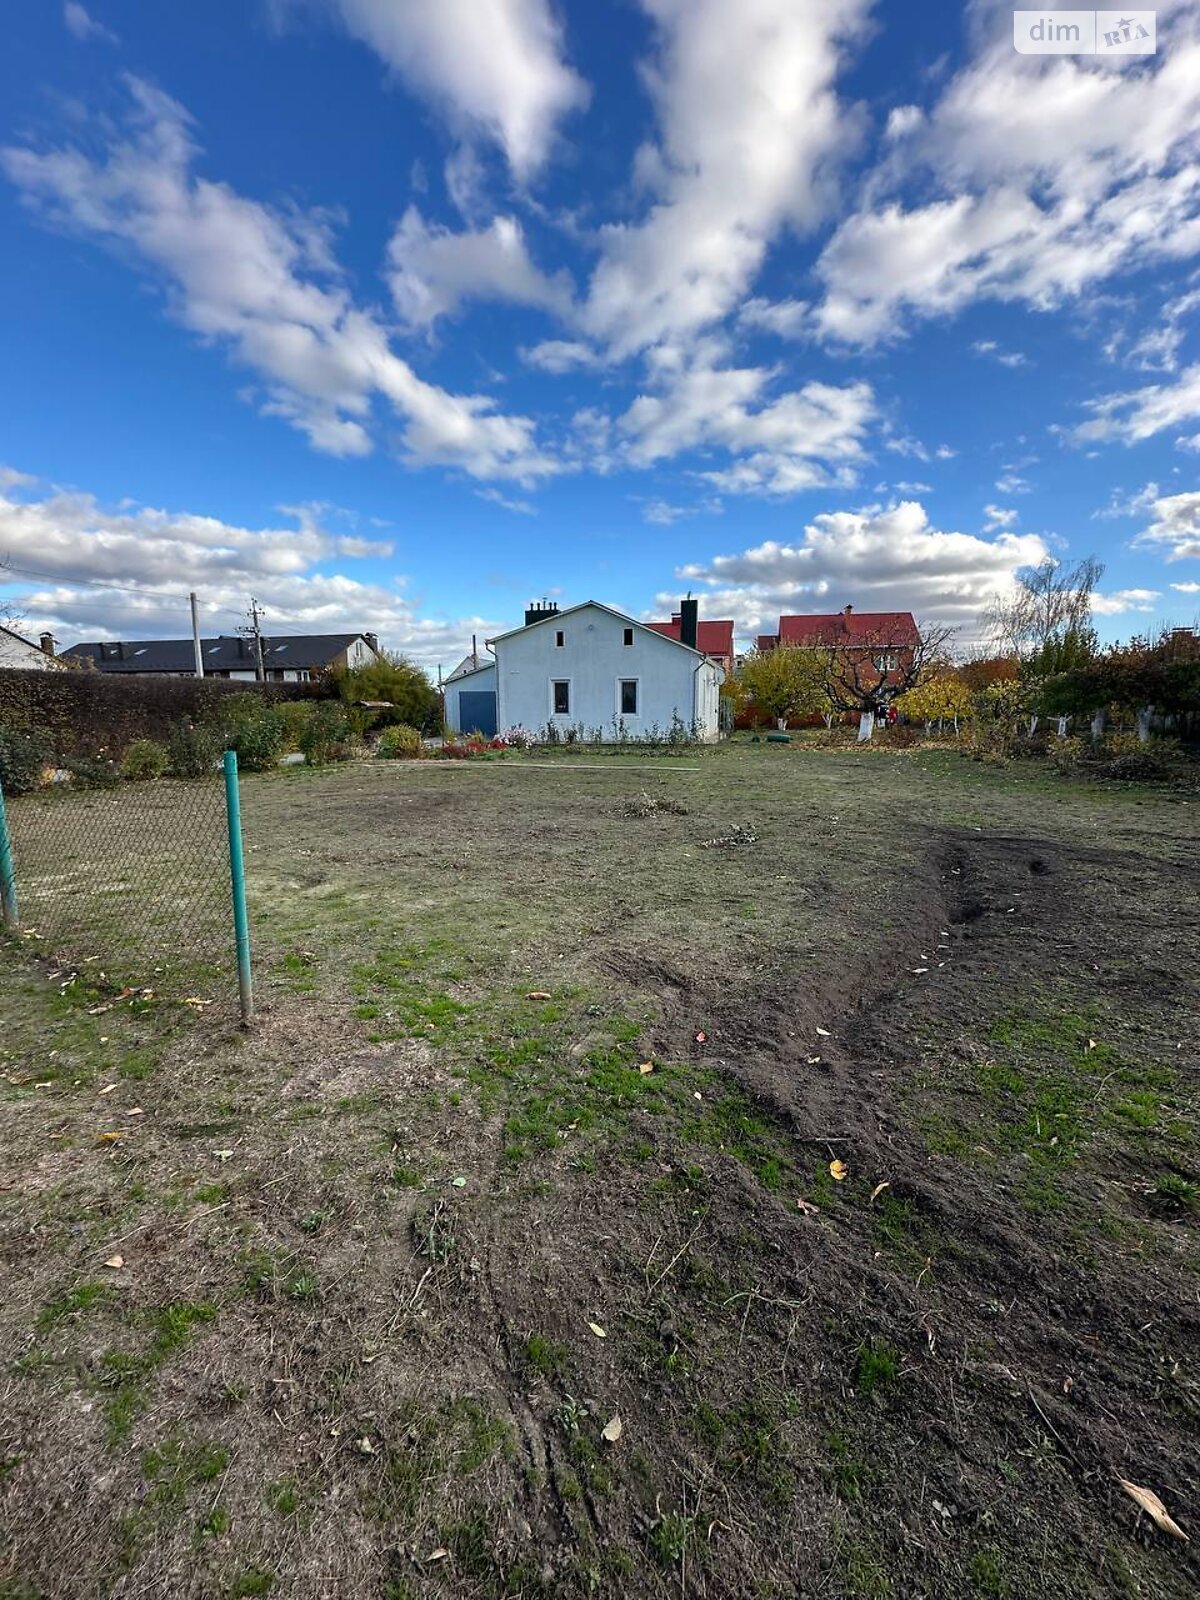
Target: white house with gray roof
(590,668)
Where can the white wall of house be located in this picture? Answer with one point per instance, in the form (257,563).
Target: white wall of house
(481,682)
(18,652)
(596,652)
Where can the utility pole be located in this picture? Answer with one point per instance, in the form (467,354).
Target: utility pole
(256,633)
(196,635)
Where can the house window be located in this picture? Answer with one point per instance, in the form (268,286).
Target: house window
(562,697)
(629,697)
(628,635)
(886,661)
(560,638)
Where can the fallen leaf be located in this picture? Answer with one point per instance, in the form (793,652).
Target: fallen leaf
(536,994)
(646,1066)
(222,1155)
(1154,1509)
(110,1138)
(108,1088)
(597,1330)
(807,1207)
(611,1431)
(458,1183)
(439,1554)
(1091,1044)
(814,1061)
(115,1262)
(365,1447)
(838,1170)
(135,1111)
(825,1033)
(701,1037)
(878,1190)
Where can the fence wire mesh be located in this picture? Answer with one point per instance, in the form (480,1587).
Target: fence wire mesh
(132,883)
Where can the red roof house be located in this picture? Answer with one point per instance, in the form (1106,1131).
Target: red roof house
(876,648)
(713,639)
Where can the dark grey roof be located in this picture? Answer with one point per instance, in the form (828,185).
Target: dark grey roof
(228,653)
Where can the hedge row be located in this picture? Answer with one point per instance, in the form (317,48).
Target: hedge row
(96,713)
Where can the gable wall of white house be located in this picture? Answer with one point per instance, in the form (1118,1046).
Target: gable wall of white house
(604,676)
(18,652)
(481,682)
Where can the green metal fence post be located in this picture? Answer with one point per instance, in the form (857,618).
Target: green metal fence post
(8,873)
(237,875)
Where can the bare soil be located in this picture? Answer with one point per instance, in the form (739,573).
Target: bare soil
(888,1266)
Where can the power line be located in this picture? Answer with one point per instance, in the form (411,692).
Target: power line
(96,583)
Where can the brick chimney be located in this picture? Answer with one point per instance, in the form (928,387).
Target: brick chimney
(47,642)
(846,610)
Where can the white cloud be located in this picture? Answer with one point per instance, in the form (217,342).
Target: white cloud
(1013,483)
(998,517)
(1175,530)
(560,355)
(433,270)
(1187,588)
(750,136)
(507,503)
(789,319)
(1038,177)
(83,25)
(1140,413)
(1128,502)
(1120,601)
(662,513)
(495,67)
(264,283)
(801,439)
(10,478)
(876,558)
(97,572)
(1006,358)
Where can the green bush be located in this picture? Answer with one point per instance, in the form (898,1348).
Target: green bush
(145,758)
(193,751)
(410,695)
(93,772)
(329,735)
(399,742)
(296,714)
(23,759)
(258,739)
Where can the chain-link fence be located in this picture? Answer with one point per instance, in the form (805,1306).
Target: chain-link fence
(132,885)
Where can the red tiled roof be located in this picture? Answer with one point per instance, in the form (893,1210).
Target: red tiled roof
(712,638)
(767,641)
(850,628)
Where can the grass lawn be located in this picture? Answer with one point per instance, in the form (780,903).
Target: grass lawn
(829,1118)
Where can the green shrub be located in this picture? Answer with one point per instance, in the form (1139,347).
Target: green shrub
(399,742)
(410,695)
(329,735)
(296,715)
(23,759)
(93,772)
(145,758)
(257,738)
(193,751)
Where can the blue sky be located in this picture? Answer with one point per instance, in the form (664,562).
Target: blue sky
(395,315)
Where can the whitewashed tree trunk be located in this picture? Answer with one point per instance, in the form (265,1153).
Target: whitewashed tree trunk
(1062,727)
(1033,722)
(866,726)
(1143,723)
(827,719)
(781,724)
(1098,724)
